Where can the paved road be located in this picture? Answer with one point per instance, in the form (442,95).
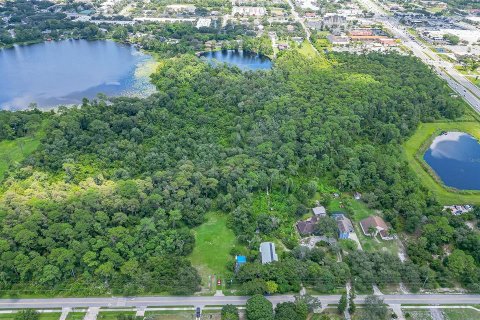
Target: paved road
(433,299)
(300,20)
(459,83)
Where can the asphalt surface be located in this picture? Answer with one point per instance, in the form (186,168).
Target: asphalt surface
(426,299)
(459,83)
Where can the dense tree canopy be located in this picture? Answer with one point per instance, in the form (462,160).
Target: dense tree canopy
(108,200)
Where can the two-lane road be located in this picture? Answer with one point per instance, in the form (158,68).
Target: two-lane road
(426,299)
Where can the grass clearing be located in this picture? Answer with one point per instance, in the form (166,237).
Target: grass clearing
(42,316)
(417,144)
(420,314)
(76,315)
(113,315)
(14,151)
(171,315)
(461,314)
(307,49)
(213,242)
(361,210)
(50,316)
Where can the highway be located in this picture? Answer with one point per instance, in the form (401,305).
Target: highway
(196,301)
(464,88)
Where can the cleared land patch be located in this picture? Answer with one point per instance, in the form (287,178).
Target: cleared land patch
(12,151)
(213,242)
(416,146)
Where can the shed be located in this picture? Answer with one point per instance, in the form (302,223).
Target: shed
(267,251)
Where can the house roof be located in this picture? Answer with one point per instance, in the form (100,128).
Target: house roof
(267,250)
(319,211)
(375,222)
(307,226)
(344,224)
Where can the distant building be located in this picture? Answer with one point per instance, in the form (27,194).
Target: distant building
(249,11)
(388,42)
(334,21)
(267,251)
(178,8)
(203,22)
(319,211)
(374,225)
(315,24)
(361,32)
(345,226)
(338,40)
(367,38)
(298,40)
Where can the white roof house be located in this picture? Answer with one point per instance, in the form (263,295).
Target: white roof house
(320,211)
(203,22)
(267,251)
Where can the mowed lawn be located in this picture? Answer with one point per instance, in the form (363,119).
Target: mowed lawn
(213,242)
(113,315)
(423,136)
(12,151)
(461,314)
(43,316)
(307,49)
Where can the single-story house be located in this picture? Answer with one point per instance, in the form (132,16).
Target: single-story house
(306,227)
(319,211)
(345,226)
(267,251)
(377,225)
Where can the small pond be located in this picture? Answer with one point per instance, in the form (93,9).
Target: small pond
(245,60)
(64,72)
(455,158)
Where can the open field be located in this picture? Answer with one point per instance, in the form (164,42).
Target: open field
(76,315)
(12,151)
(461,314)
(307,49)
(113,315)
(43,316)
(171,315)
(213,242)
(420,314)
(414,149)
(447,313)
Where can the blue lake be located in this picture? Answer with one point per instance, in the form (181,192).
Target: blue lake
(455,157)
(64,72)
(243,59)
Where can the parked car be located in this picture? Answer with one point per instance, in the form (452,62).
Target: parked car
(198,312)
